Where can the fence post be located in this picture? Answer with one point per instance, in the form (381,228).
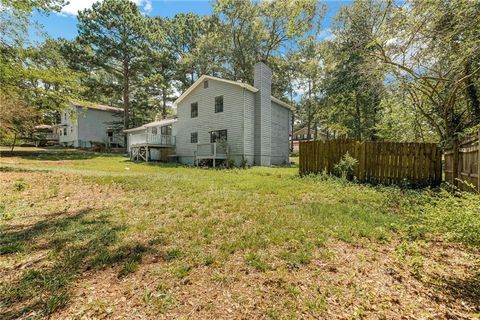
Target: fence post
(478,162)
(456,154)
(438,166)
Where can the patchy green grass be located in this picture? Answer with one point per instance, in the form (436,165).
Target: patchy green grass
(181,241)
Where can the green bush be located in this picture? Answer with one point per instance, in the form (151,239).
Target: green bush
(346,167)
(457,215)
(454,215)
(20,185)
(244,164)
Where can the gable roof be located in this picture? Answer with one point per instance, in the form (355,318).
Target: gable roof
(281,103)
(160,123)
(42,127)
(98,107)
(301,130)
(304,130)
(237,83)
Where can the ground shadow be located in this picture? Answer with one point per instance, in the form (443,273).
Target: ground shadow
(466,289)
(62,246)
(56,154)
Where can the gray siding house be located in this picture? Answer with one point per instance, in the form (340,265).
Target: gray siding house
(255,124)
(83,126)
(220,119)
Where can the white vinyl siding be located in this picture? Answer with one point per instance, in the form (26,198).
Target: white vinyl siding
(93,125)
(249,126)
(69,132)
(280,134)
(86,125)
(231,118)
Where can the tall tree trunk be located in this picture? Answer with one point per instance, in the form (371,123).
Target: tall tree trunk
(164,103)
(456,156)
(472,93)
(293,116)
(309,109)
(126,97)
(14,141)
(359,117)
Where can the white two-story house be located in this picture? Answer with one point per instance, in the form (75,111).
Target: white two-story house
(84,126)
(220,120)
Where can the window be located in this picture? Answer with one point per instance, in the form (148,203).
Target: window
(194,137)
(65,114)
(194,110)
(205,84)
(166,130)
(218,104)
(154,130)
(64,131)
(110,134)
(217,136)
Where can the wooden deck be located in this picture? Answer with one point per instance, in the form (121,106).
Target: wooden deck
(148,152)
(143,146)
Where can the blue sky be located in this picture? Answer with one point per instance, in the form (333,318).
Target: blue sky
(65,24)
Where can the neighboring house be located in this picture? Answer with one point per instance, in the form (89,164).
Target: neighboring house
(219,119)
(303,135)
(44,134)
(85,126)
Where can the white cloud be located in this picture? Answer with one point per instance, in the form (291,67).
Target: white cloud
(147,6)
(76,5)
(326,34)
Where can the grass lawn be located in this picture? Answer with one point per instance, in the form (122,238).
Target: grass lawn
(88,235)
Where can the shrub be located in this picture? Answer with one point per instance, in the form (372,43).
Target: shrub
(230,163)
(244,164)
(346,167)
(456,215)
(20,185)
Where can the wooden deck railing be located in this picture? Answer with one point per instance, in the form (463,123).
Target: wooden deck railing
(45,136)
(210,150)
(157,139)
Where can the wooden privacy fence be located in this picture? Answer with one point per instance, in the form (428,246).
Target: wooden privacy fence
(378,162)
(466,155)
